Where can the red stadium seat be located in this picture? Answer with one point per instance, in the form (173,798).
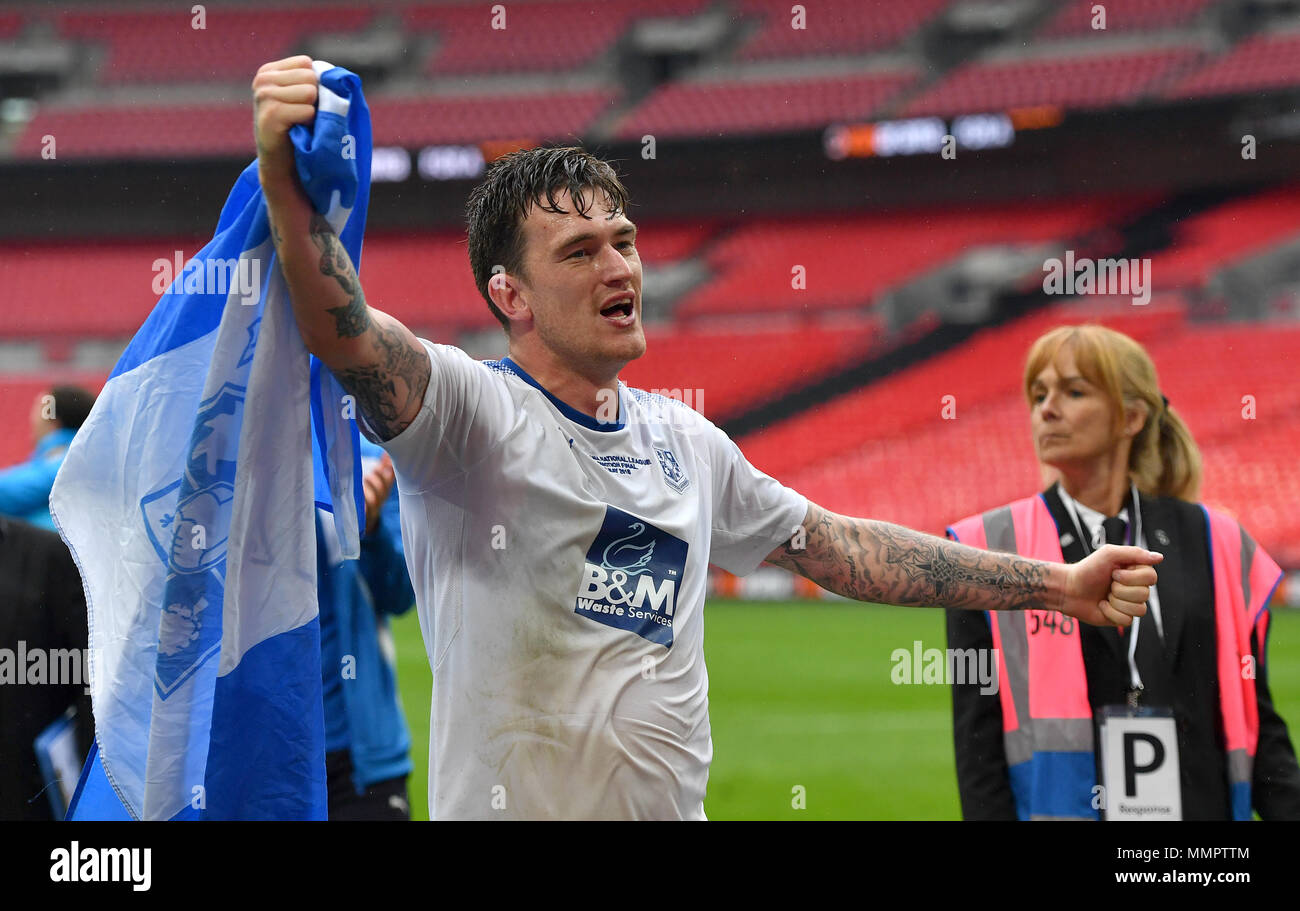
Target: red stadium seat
(1094,81)
(1267,61)
(17,394)
(833,26)
(886,452)
(713,370)
(850,260)
(126,131)
(694,108)
(1077,17)
(555,35)
(134,131)
(472,118)
(11,24)
(1211,240)
(148,45)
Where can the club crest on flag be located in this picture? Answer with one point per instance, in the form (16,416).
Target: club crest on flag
(208,453)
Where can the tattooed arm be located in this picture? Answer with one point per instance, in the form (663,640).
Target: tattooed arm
(879,562)
(374,357)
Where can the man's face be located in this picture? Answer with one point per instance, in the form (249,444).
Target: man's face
(1072,420)
(583,285)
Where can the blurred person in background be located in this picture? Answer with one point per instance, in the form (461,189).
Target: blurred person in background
(42,666)
(55,419)
(367,742)
(1120,466)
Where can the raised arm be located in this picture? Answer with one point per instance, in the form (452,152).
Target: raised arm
(374,357)
(884,563)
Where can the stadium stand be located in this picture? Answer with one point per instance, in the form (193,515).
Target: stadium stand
(850,260)
(659,242)
(71,288)
(450,89)
(1262,62)
(138,131)
(714,371)
(1094,80)
(150,86)
(11,23)
(1209,241)
(17,393)
(907,402)
(224,129)
(106,290)
(557,35)
(472,118)
(873,452)
(832,27)
(1076,18)
(695,108)
(161,46)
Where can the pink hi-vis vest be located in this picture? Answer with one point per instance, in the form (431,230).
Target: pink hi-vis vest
(1047,725)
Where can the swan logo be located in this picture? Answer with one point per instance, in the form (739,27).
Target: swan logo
(631,577)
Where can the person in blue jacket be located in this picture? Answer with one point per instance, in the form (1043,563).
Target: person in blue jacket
(367,742)
(25,487)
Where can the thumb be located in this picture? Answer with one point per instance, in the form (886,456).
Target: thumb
(1126,555)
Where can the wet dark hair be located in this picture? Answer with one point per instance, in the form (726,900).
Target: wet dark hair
(514,184)
(72,405)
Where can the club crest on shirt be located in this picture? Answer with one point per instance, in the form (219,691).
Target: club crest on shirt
(631,577)
(672,470)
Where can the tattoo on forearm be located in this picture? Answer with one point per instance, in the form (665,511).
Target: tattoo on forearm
(390,378)
(879,562)
(393,385)
(353,318)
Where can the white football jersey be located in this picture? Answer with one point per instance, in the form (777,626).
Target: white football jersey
(559,567)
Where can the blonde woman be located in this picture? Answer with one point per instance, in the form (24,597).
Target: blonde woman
(1171,719)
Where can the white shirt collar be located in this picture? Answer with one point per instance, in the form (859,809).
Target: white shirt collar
(1090,517)
(1087,513)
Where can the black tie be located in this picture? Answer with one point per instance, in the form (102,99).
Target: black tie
(1115,528)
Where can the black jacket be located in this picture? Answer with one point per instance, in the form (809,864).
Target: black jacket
(1182,674)
(41,605)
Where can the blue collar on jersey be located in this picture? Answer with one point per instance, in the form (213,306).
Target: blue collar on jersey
(569,411)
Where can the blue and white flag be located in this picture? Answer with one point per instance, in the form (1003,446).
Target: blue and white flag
(187,500)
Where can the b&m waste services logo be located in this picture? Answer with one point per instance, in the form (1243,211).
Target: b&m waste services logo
(631,577)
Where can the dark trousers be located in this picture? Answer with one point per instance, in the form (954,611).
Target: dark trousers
(383,800)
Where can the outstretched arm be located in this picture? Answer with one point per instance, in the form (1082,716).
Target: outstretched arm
(884,563)
(374,357)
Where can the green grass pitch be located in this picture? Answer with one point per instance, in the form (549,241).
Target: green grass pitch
(800,696)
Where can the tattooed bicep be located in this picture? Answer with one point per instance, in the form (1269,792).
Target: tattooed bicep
(390,382)
(796,547)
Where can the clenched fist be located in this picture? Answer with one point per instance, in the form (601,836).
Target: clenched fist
(284,94)
(378,484)
(1111,586)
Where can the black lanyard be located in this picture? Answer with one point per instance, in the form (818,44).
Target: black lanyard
(1131,535)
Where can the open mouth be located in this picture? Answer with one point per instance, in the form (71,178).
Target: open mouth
(620,311)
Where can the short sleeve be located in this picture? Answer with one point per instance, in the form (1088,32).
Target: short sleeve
(752,512)
(464,415)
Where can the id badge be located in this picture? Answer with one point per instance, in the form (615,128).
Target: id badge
(1139,763)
